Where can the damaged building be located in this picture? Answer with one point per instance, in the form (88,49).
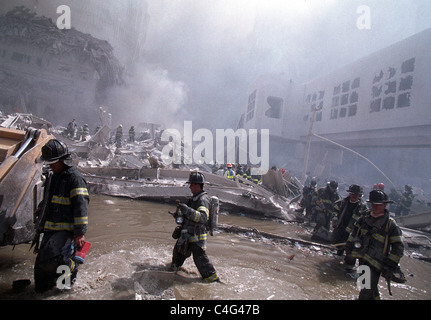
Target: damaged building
(47,71)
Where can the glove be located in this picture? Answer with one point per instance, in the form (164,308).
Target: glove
(186,211)
(387,273)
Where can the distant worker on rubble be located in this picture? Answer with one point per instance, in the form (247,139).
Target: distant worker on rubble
(324,206)
(119,136)
(85,132)
(62,217)
(192,230)
(405,202)
(308,192)
(229,174)
(71,129)
(132,134)
(376,240)
(346,212)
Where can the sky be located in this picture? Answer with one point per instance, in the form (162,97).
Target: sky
(207,52)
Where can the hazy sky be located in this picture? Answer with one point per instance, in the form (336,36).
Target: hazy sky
(209,51)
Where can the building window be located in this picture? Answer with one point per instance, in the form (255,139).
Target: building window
(251,106)
(276,105)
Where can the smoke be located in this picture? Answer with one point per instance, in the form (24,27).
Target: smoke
(217,48)
(150,95)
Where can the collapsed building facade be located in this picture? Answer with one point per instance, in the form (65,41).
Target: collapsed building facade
(48,72)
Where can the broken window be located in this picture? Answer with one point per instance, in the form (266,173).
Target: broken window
(314,97)
(352,110)
(344,99)
(319,116)
(375,105)
(275,104)
(388,103)
(408,66)
(321,94)
(346,86)
(354,97)
(356,83)
(391,87)
(406,83)
(404,100)
(342,113)
(392,71)
(376,91)
(334,113)
(337,90)
(378,77)
(335,101)
(251,106)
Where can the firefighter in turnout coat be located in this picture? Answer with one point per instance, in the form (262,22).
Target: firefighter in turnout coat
(376,241)
(62,216)
(192,232)
(346,212)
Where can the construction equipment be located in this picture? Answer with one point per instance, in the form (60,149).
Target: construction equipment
(21,182)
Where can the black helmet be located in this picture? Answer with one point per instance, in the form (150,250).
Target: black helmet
(354,188)
(333,185)
(378,197)
(196,177)
(54,150)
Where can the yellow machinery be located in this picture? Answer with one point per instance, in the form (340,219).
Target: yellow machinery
(21,182)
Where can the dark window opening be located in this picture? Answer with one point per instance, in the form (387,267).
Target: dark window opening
(344,99)
(356,83)
(375,105)
(378,77)
(404,100)
(376,91)
(391,87)
(335,101)
(337,90)
(276,104)
(392,71)
(314,97)
(346,86)
(319,116)
(321,94)
(388,103)
(406,83)
(354,97)
(408,66)
(334,114)
(352,110)
(342,113)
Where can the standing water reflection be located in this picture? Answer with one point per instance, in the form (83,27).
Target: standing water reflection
(132,249)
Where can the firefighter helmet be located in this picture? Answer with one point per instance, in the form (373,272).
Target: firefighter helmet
(53,151)
(378,197)
(354,188)
(196,177)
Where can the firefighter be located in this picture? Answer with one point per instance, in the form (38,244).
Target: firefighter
(307,199)
(192,233)
(118,136)
(63,214)
(405,201)
(323,208)
(346,212)
(376,241)
(132,134)
(229,174)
